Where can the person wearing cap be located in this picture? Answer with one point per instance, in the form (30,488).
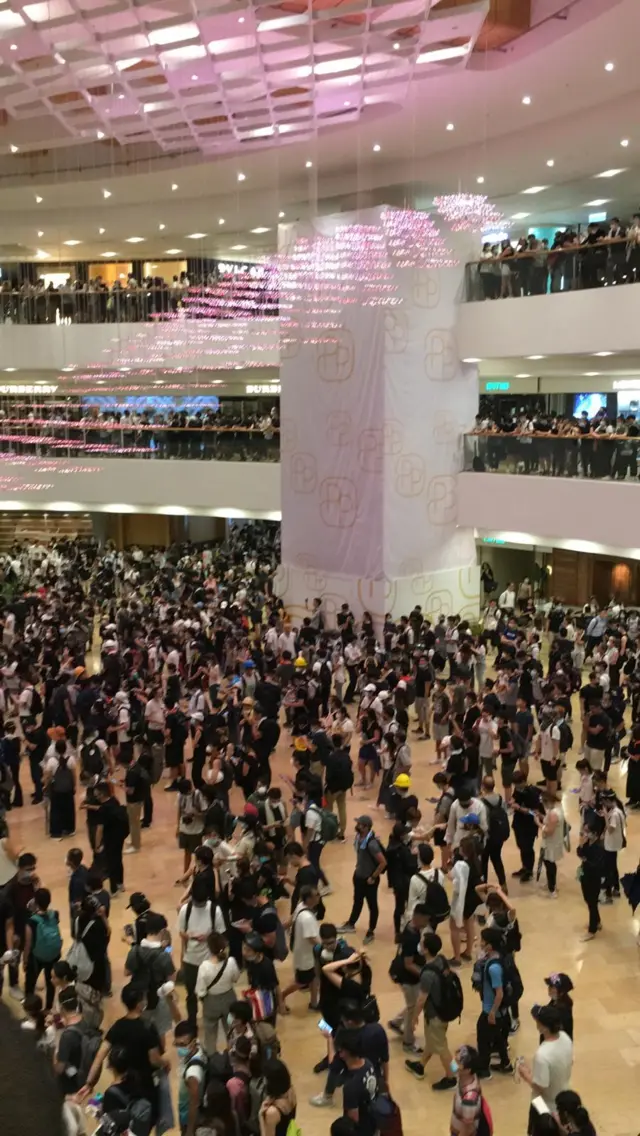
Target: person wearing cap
(550,1071)
(559,987)
(456,825)
(370,864)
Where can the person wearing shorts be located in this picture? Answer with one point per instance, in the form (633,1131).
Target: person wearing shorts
(435,1030)
(305,935)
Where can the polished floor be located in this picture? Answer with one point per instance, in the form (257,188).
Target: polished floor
(606,971)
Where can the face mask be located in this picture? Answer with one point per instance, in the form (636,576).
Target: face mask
(183,1051)
(262,790)
(454,1066)
(326,955)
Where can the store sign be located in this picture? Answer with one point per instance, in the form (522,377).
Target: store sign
(254,270)
(262,388)
(23,388)
(497,386)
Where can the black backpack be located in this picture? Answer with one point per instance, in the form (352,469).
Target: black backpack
(449,1002)
(436,899)
(62,781)
(143,977)
(36,703)
(566,737)
(325,676)
(498,822)
(92,759)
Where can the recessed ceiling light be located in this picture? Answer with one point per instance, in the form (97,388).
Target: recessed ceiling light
(106,193)
(450,126)
(599,201)
(120,96)
(14,47)
(526,100)
(196,236)
(101,231)
(14,149)
(172,252)
(536,356)
(609,66)
(377,148)
(535,189)
(11,368)
(624,142)
(174,187)
(551,163)
(261,229)
(221,220)
(134,240)
(396,46)
(108,254)
(242,177)
(161,227)
(480,180)
(591,374)
(519,216)
(194,78)
(99,135)
(308,165)
(71,243)
(238,248)
(38,200)
(281,214)
(241,19)
(471,359)
(609,173)
(40,232)
(603,354)
(347,103)
(523,376)
(42,255)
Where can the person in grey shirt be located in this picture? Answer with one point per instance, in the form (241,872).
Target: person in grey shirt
(370,864)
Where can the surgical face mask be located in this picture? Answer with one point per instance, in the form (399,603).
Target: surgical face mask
(326,954)
(183,1051)
(262,790)
(454,1066)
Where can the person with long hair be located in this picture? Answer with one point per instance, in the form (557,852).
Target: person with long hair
(465,875)
(279,1105)
(572,1114)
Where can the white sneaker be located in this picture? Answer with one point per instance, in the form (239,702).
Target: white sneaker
(321,1101)
(325,889)
(552,894)
(128,851)
(16,993)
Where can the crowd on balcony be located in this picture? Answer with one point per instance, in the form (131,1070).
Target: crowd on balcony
(607,253)
(204,295)
(559,446)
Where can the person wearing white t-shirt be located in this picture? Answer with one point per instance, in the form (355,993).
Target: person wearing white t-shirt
(548,745)
(614,837)
(197,919)
(215,987)
(313,842)
(305,934)
(287,642)
(550,1072)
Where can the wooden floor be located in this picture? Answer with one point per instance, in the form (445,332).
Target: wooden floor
(605,972)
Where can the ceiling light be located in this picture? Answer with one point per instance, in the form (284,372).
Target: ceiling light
(308,165)
(523,376)
(196,236)
(599,201)
(238,248)
(609,66)
(108,254)
(134,240)
(42,255)
(172,252)
(519,216)
(120,96)
(281,214)
(101,231)
(440,54)
(624,142)
(38,200)
(480,180)
(194,78)
(609,173)
(106,193)
(590,374)
(535,189)
(526,100)
(347,103)
(71,243)
(221,220)
(603,354)
(11,368)
(450,126)
(471,359)
(241,19)
(536,356)
(174,187)
(396,47)
(551,163)
(14,149)
(40,232)
(242,177)
(100,135)
(377,148)
(14,47)
(161,227)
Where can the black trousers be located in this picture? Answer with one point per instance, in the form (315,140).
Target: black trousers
(401,897)
(551,868)
(590,893)
(364,892)
(492,851)
(147,811)
(34,968)
(611,877)
(114,865)
(525,840)
(492,1038)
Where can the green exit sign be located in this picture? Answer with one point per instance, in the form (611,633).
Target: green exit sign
(492,540)
(497,386)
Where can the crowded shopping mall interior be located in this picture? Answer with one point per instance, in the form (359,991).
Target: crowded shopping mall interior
(319,598)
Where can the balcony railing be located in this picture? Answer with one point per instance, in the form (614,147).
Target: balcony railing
(596,456)
(539,270)
(134,305)
(204,443)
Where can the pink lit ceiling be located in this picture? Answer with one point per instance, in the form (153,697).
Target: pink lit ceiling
(212,75)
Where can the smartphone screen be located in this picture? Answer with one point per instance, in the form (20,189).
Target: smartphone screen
(324,1027)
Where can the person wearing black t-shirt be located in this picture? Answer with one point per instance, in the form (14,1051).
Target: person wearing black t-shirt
(597,730)
(405,970)
(361,1084)
(591,854)
(136,784)
(526,804)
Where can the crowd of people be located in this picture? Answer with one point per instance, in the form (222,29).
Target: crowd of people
(200,677)
(605,253)
(541,442)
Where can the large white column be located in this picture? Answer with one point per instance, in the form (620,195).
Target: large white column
(372,421)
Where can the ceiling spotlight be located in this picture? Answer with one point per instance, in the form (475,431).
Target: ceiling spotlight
(71,243)
(472,359)
(535,189)
(221,220)
(603,354)
(108,254)
(551,163)
(624,142)
(522,375)
(535,356)
(194,78)
(526,100)
(99,135)
(480,180)
(38,200)
(347,103)
(172,252)
(609,66)
(238,248)
(396,46)
(161,227)
(242,177)
(196,236)
(450,126)
(14,47)
(134,240)
(591,374)
(377,148)
(261,229)
(101,231)
(281,214)
(598,201)
(519,216)
(106,193)
(40,233)
(241,19)
(14,149)
(120,96)
(308,165)
(174,187)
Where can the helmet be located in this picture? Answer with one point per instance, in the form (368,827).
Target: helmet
(402,781)
(300,662)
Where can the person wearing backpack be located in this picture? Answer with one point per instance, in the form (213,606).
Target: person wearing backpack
(428,885)
(112,829)
(440,1001)
(197,919)
(78,1045)
(122,1102)
(370,864)
(338,777)
(42,944)
(492,1028)
(60,782)
(313,841)
(405,971)
(192,1075)
(497,830)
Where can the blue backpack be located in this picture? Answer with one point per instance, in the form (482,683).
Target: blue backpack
(48,940)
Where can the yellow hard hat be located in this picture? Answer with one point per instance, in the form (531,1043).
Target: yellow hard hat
(402,781)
